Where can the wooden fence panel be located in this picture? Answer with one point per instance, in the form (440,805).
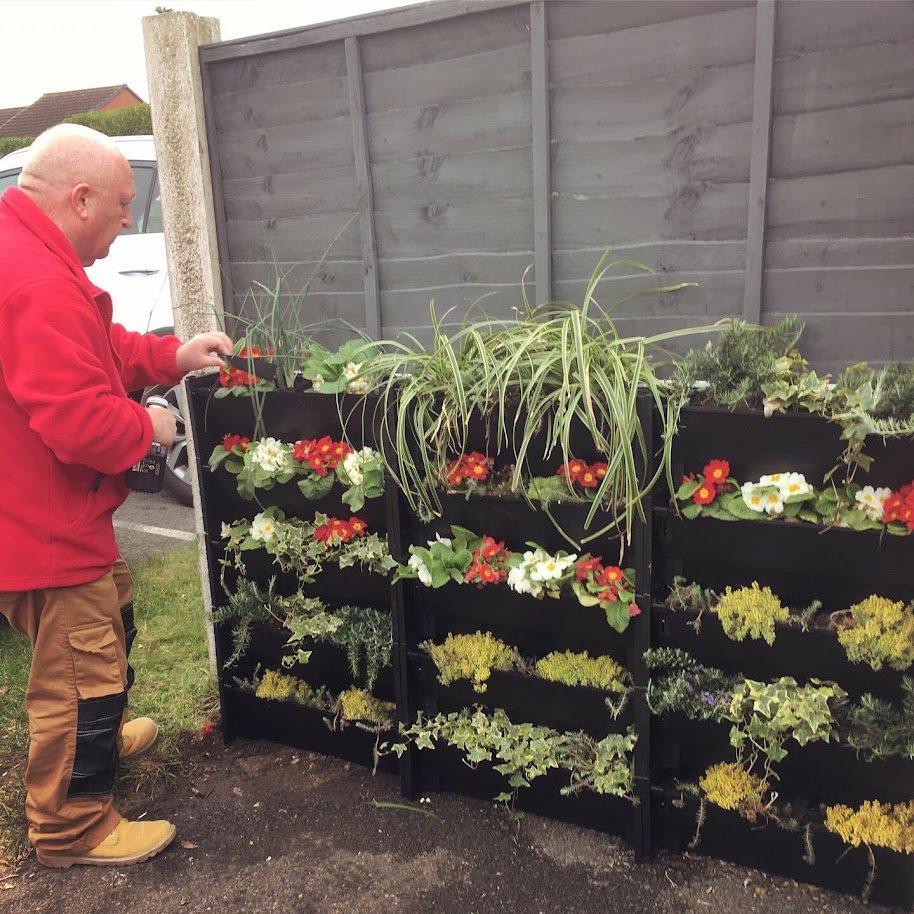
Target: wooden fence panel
(499,136)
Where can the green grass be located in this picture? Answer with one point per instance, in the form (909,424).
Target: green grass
(173,686)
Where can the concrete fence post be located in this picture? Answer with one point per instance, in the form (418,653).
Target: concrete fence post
(172,40)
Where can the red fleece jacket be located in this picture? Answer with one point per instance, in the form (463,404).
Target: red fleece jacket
(68,428)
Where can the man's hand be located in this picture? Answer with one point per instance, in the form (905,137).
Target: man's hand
(204,350)
(164,427)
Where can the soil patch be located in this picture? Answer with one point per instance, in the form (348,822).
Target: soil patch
(265,828)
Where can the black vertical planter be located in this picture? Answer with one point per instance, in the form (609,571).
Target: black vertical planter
(799,562)
(289,416)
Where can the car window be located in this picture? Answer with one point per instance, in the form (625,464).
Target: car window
(8,180)
(154,218)
(143,176)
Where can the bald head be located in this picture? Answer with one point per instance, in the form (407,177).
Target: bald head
(79,178)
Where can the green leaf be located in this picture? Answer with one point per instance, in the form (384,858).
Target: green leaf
(617,616)
(315,487)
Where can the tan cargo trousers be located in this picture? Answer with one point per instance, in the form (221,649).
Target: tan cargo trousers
(76,700)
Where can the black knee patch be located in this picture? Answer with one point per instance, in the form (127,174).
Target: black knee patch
(97,724)
(129,636)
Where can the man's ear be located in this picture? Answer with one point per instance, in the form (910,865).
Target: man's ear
(79,198)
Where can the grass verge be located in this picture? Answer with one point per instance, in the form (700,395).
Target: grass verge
(173,686)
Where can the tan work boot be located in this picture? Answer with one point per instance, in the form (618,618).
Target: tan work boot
(137,738)
(130,842)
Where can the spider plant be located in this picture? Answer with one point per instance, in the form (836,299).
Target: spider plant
(533,380)
(270,320)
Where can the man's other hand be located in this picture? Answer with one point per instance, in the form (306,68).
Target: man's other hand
(164,427)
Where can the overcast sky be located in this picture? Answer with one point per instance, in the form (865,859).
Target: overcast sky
(58,45)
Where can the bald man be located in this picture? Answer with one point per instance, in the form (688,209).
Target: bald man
(71,432)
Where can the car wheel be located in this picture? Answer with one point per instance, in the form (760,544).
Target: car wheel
(177,464)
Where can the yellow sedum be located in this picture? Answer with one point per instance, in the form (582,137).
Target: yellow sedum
(583,670)
(874,824)
(729,786)
(358,704)
(880,632)
(471,657)
(280,687)
(754,611)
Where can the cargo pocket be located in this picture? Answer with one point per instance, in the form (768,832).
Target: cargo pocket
(97,725)
(96,660)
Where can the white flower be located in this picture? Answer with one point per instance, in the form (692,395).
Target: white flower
(774,502)
(226,531)
(440,539)
(359,386)
(263,528)
(872,500)
(425,576)
(318,382)
(794,484)
(352,465)
(351,370)
(775,479)
(520,583)
(752,498)
(270,455)
(550,568)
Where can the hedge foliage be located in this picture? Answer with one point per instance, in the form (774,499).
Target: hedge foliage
(133,121)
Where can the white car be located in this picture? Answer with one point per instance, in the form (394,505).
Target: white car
(135,273)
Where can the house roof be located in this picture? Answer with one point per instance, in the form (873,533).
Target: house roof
(54,107)
(7,113)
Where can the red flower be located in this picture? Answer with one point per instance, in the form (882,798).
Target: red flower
(610,595)
(610,575)
(716,472)
(689,477)
(588,478)
(323,534)
(357,526)
(338,452)
(232,441)
(235,377)
(483,574)
(892,508)
(587,567)
(317,464)
(489,548)
(599,469)
(473,466)
(301,450)
(704,494)
(633,610)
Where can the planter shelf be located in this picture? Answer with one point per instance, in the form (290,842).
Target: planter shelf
(306,728)
(728,836)
(814,654)
(528,698)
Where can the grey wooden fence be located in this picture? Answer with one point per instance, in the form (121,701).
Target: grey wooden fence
(764,151)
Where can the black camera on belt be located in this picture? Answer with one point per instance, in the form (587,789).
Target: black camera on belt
(148,474)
